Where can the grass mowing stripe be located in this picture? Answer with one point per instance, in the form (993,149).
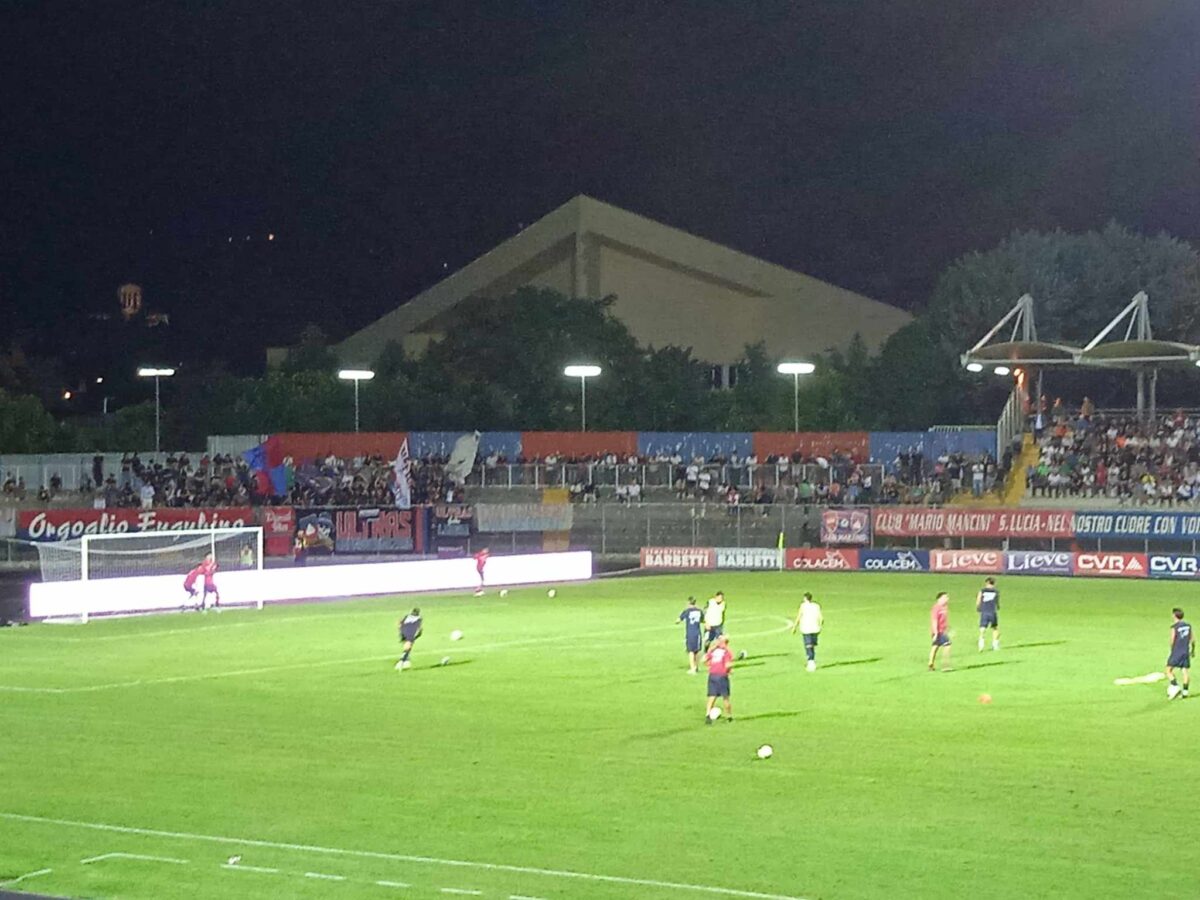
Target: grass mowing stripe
(396,857)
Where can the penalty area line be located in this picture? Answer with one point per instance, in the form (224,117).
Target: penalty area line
(570,874)
(25,877)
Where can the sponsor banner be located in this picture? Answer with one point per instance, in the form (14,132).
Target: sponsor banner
(846,526)
(678,558)
(522,517)
(1164,565)
(966,560)
(1145,525)
(67,524)
(1018,523)
(279,525)
(821,560)
(1113,565)
(1037,562)
(893,560)
(747,558)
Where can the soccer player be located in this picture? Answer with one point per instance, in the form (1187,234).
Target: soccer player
(939,626)
(720,661)
(987,604)
(481,559)
(410,630)
(1183,648)
(714,618)
(691,617)
(808,623)
(207,569)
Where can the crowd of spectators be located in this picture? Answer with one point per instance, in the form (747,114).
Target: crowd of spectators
(227,480)
(1116,456)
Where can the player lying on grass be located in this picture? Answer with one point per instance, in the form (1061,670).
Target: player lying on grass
(691,617)
(987,604)
(939,627)
(410,630)
(808,623)
(207,568)
(720,661)
(1183,648)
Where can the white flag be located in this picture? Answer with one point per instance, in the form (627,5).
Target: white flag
(402,478)
(462,458)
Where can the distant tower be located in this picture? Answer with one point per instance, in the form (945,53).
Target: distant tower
(130,297)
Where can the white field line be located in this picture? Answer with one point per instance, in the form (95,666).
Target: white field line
(324,877)
(401,857)
(165,859)
(25,877)
(523,897)
(325,663)
(462,891)
(395,884)
(265,870)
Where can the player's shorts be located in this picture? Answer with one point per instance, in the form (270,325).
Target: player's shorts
(718,685)
(989,620)
(941,639)
(210,587)
(693,642)
(715,632)
(409,638)
(810,640)
(1180,661)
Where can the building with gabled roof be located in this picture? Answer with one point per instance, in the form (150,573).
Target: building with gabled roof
(671,288)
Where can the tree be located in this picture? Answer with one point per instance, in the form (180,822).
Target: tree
(25,426)
(311,354)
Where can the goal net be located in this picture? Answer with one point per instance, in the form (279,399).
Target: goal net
(96,556)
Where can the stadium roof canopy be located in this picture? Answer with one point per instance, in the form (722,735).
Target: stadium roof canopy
(1022,346)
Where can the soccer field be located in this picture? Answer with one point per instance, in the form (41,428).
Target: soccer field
(562,754)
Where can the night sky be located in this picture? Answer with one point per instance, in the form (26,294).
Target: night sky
(387,143)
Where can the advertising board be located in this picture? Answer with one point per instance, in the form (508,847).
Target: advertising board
(818,560)
(67,524)
(966,561)
(893,560)
(1037,562)
(748,558)
(678,558)
(1111,565)
(1163,565)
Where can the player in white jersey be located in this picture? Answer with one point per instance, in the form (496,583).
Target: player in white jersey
(808,623)
(714,618)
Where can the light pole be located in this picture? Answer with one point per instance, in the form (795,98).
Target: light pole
(355,375)
(795,369)
(157,374)
(583,373)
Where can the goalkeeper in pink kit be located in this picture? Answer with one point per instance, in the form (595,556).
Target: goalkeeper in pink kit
(207,569)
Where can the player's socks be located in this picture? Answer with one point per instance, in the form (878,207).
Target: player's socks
(981,645)
(995,645)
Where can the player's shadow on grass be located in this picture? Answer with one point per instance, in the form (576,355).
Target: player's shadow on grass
(852,662)
(782,714)
(1034,644)
(767,655)
(988,665)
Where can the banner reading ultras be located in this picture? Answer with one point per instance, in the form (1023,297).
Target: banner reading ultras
(1020,523)
(679,558)
(66,524)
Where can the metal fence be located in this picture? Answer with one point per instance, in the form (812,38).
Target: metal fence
(662,474)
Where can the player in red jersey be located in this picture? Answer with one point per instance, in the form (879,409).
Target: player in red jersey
(207,569)
(720,661)
(939,627)
(481,559)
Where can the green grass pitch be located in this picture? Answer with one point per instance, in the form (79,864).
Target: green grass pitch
(562,753)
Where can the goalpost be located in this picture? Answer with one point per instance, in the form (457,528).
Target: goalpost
(97,556)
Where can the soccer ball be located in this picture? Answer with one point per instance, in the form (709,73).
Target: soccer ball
(766,751)
(504,592)
(445,660)
(552,593)
(714,713)
(1173,691)
(742,655)
(456,635)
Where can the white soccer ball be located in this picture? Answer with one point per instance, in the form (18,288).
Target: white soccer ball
(1173,691)
(234,860)
(766,751)
(445,660)
(714,713)
(504,592)
(456,635)
(552,593)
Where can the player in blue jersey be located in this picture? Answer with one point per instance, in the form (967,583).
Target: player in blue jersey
(410,630)
(1183,648)
(988,605)
(692,618)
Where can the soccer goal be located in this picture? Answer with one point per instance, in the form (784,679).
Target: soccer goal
(96,556)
